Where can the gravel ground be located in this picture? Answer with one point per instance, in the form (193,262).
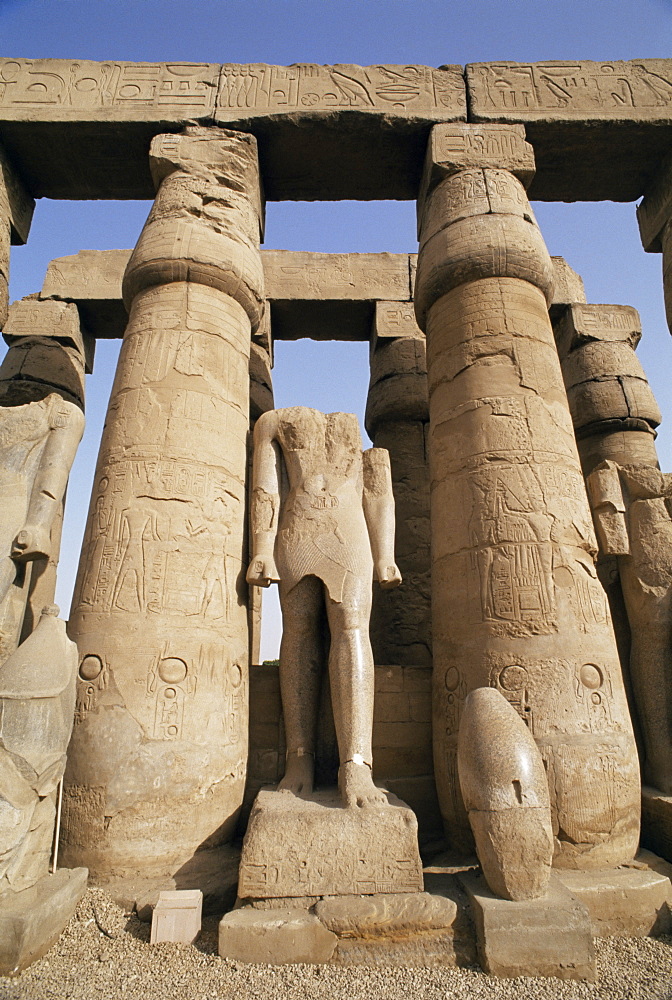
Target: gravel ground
(104,955)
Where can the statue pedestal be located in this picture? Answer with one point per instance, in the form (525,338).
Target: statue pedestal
(297,847)
(32,920)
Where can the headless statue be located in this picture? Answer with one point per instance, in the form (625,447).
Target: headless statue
(38,441)
(322,523)
(632,507)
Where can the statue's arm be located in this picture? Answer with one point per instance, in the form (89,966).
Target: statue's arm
(51,479)
(605,492)
(378,501)
(265,505)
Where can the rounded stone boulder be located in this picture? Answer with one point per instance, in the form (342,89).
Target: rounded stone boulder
(505,791)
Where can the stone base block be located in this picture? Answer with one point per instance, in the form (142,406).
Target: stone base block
(32,920)
(550,936)
(657,822)
(633,900)
(317,847)
(277,937)
(214,872)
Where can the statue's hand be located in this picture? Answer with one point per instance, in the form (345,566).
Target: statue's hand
(262,572)
(388,575)
(31,543)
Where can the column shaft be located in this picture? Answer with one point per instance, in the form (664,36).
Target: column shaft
(158,758)
(515,598)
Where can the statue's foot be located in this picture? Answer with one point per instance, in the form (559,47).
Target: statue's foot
(299,774)
(355,782)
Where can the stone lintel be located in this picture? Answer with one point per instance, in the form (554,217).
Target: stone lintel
(316,124)
(50,320)
(599,129)
(655,210)
(322,296)
(550,936)
(567,288)
(582,323)
(16,204)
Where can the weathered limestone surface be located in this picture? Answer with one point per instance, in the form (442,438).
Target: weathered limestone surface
(631,901)
(157,764)
(505,793)
(315,847)
(567,288)
(315,123)
(16,212)
(654,215)
(516,600)
(550,936)
(599,129)
(31,921)
(278,937)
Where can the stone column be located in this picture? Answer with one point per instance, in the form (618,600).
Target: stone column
(654,215)
(16,213)
(516,602)
(48,353)
(158,757)
(397,415)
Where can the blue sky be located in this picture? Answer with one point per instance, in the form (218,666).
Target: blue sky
(599,240)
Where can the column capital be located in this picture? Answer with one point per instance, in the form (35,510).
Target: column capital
(458,146)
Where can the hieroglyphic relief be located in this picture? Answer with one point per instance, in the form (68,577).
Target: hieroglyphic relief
(118,88)
(263,89)
(316,877)
(579,89)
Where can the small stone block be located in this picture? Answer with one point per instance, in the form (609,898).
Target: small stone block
(582,323)
(317,847)
(395,319)
(657,822)
(32,920)
(277,936)
(629,901)
(550,936)
(567,287)
(177,916)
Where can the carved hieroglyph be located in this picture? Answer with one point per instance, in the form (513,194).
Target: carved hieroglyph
(516,601)
(158,757)
(37,702)
(322,537)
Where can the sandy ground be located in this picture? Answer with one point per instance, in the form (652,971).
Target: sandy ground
(105,955)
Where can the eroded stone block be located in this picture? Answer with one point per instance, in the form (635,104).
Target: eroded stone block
(632,900)
(550,936)
(277,936)
(567,287)
(32,920)
(177,916)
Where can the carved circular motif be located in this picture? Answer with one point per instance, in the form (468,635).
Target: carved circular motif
(90,668)
(512,678)
(236,675)
(591,676)
(86,83)
(172,670)
(452,678)
(596,698)
(172,730)
(170,692)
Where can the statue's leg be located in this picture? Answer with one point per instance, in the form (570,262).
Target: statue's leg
(300,677)
(351,677)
